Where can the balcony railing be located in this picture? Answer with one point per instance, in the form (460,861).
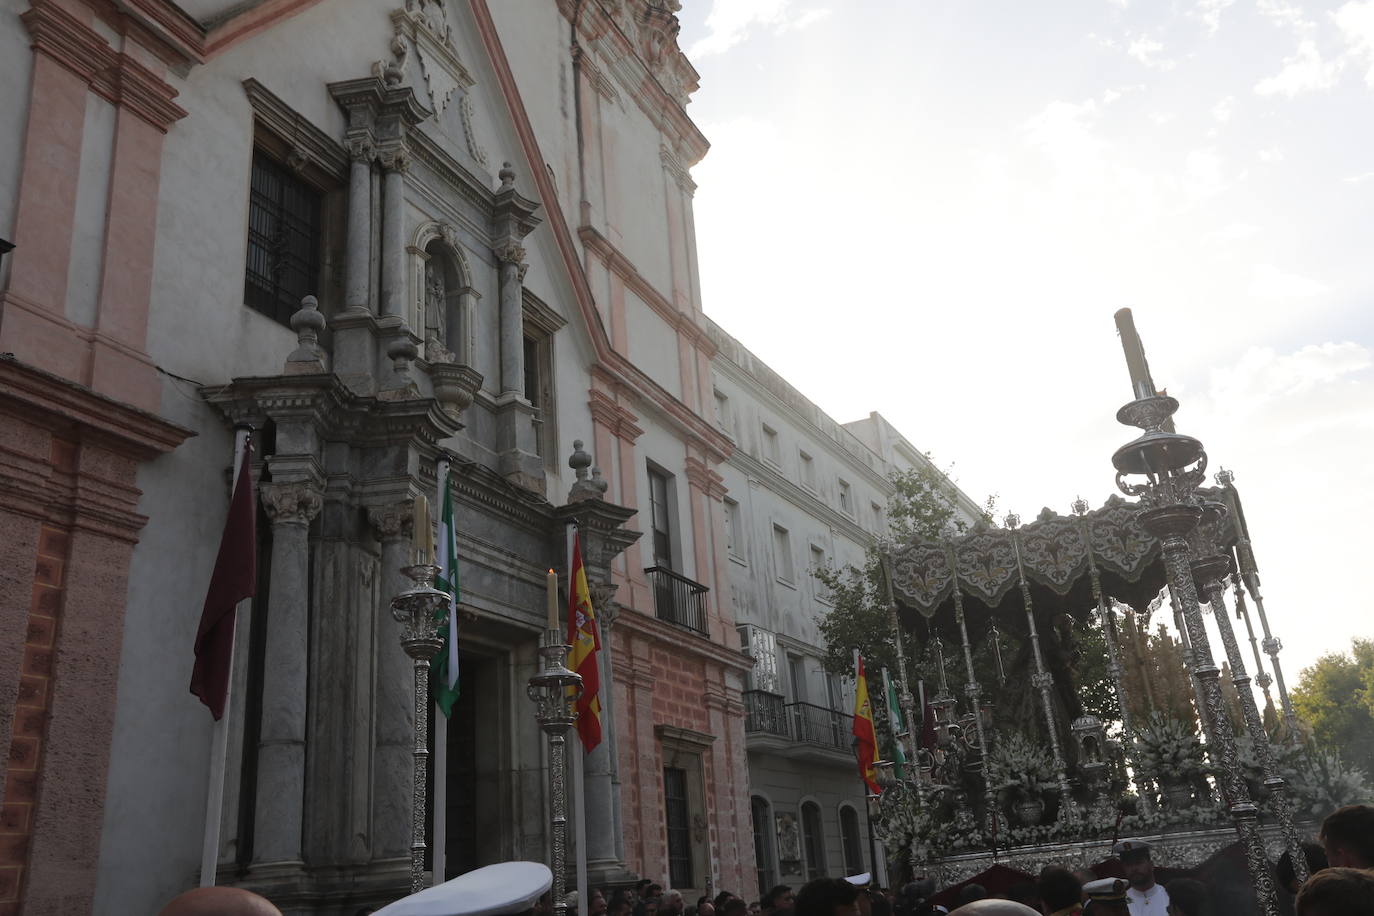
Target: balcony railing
(678,599)
(765,713)
(817,725)
(804,723)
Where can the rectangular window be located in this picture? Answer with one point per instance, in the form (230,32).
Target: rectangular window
(782,554)
(846,498)
(819,561)
(659,518)
(808,471)
(283,240)
(763,845)
(539,389)
(679,823)
(734,533)
(770,446)
(796,674)
(723,414)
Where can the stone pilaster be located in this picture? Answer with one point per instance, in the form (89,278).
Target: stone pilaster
(279,817)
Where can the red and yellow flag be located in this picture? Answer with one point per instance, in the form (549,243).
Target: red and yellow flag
(865,738)
(585,640)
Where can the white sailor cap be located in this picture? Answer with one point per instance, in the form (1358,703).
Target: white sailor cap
(863,879)
(1105,889)
(510,887)
(1128,847)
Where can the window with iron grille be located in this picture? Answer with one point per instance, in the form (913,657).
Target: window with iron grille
(849,840)
(813,839)
(679,823)
(283,240)
(763,846)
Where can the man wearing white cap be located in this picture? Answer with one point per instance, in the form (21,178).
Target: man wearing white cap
(1144,897)
(1106,897)
(497,890)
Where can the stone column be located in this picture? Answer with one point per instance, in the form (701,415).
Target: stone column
(356,283)
(280,808)
(393,717)
(394,160)
(512,313)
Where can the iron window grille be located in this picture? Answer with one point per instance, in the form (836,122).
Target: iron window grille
(283,240)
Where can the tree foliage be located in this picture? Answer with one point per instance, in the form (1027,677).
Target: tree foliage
(1335,696)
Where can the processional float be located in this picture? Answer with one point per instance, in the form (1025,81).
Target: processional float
(1173,536)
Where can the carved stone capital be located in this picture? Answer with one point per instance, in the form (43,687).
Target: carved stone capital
(394,157)
(510,253)
(362,148)
(291,503)
(392,521)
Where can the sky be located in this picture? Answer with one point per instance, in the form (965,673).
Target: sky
(932,209)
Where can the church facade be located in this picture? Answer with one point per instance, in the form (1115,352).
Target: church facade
(378,234)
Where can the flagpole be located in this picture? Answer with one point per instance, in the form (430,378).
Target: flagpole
(219,740)
(439,791)
(579,767)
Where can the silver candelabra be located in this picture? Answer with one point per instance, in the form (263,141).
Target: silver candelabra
(421,610)
(555,691)
(1172,466)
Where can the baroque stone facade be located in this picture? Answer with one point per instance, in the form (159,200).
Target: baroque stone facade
(380,235)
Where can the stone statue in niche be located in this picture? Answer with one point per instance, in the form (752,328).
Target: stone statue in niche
(789,838)
(436,321)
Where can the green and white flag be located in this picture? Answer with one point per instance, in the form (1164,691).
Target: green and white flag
(894,719)
(443,668)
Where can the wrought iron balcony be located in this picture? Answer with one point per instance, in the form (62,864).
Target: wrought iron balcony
(812,724)
(765,713)
(678,599)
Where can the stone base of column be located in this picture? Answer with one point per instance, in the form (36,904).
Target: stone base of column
(517,450)
(298,891)
(609,873)
(355,349)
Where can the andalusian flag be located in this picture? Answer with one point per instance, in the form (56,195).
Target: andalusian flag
(865,739)
(585,642)
(894,719)
(443,668)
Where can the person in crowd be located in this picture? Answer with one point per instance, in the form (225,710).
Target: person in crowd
(1286,876)
(705,907)
(720,899)
(1024,892)
(596,902)
(827,897)
(622,902)
(1061,893)
(671,903)
(1084,876)
(735,906)
(1106,897)
(1188,897)
(988,907)
(755,908)
(1144,897)
(219,901)
(1347,836)
(779,897)
(647,907)
(641,889)
(1337,891)
(879,904)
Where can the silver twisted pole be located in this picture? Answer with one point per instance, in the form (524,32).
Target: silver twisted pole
(905,697)
(1042,679)
(555,691)
(1173,466)
(421,610)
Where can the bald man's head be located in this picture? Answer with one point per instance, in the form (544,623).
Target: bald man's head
(994,908)
(220,901)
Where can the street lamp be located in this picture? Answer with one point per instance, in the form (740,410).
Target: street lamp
(1164,469)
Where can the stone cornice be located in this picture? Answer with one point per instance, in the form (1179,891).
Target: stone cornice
(112,74)
(647,626)
(621,421)
(41,396)
(704,479)
(307,142)
(160,26)
(617,262)
(803,498)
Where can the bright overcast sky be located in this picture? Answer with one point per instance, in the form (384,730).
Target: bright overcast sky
(932,208)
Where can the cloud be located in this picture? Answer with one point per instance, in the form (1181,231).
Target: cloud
(1358,179)
(1234,232)
(1261,375)
(1356,22)
(1287,16)
(1268,282)
(731,21)
(1223,110)
(1305,71)
(1209,13)
(1146,50)
(1271,155)
(1063,132)
(1204,173)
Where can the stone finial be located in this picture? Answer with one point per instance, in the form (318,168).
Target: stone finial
(1080,506)
(307,322)
(402,351)
(582,488)
(507,176)
(599,482)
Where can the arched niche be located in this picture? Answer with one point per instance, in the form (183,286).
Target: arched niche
(443,308)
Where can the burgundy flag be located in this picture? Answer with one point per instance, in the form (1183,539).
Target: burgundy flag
(235,578)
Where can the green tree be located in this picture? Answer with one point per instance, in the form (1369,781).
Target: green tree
(1335,696)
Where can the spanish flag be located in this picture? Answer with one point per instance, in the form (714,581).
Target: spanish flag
(585,640)
(865,738)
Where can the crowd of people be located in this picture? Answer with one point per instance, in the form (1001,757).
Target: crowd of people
(1340,882)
